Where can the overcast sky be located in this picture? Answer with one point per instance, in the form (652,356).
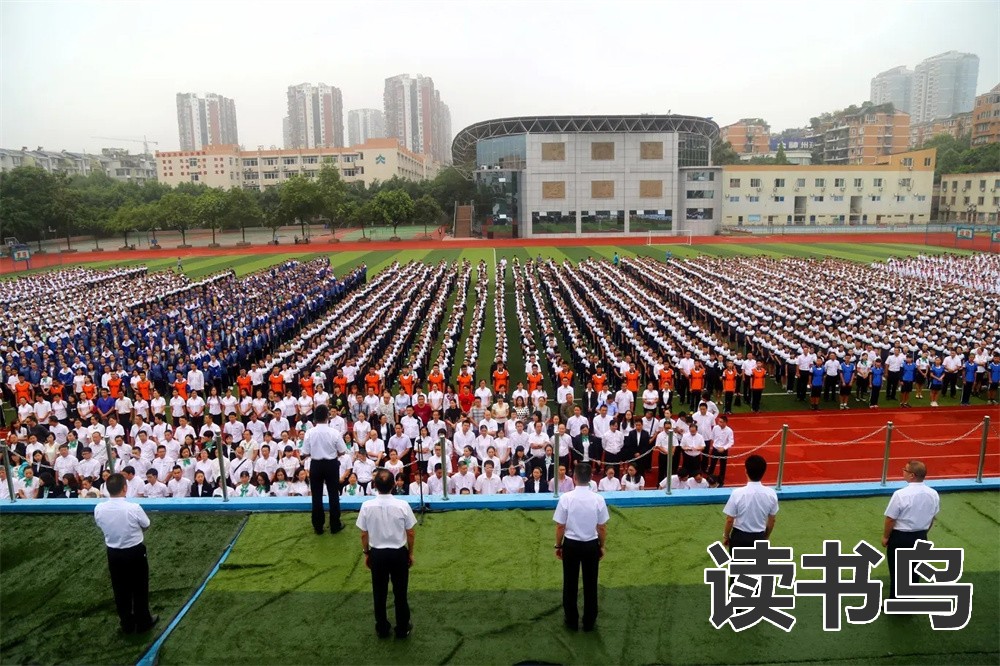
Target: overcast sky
(70,71)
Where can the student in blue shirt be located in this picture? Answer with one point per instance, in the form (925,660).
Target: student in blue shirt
(993,370)
(847,371)
(817,376)
(907,374)
(970,377)
(937,380)
(878,372)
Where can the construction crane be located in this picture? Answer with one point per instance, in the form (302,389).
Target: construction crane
(144,141)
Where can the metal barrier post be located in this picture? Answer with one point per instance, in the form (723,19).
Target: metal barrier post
(111,460)
(555,470)
(222,473)
(670,460)
(10,473)
(781,457)
(445,460)
(885,455)
(982,450)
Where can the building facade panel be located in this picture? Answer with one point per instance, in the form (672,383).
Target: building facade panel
(971,198)
(898,191)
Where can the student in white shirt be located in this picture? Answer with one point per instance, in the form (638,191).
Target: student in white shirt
(488,483)
(610,482)
(722,442)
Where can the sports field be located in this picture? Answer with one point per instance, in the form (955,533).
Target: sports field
(485,589)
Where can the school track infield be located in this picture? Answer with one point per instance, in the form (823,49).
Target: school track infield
(944,241)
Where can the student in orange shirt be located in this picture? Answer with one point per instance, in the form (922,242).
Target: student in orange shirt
(373,381)
(729,378)
(307,385)
(115,386)
(697,385)
(407,381)
(22,389)
(465,379)
(144,387)
(244,383)
(534,379)
(632,378)
(599,379)
(276,381)
(566,373)
(501,379)
(180,385)
(435,377)
(757,386)
(89,388)
(340,381)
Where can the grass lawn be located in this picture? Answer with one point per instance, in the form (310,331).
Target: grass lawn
(56,605)
(485,589)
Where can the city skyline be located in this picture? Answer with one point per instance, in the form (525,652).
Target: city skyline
(59,98)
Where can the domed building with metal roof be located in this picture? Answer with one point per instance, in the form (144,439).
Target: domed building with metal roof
(570,175)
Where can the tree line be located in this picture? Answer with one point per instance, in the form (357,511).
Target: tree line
(36,205)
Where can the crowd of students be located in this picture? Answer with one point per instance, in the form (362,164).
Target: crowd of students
(159,385)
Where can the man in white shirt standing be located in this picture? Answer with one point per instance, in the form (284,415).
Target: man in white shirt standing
(581,519)
(387,540)
(324,445)
(488,483)
(722,441)
(123,524)
(751,510)
(909,516)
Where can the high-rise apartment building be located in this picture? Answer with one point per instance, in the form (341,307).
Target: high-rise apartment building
(364,124)
(315,117)
(894,85)
(944,85)
(986,118)
(416,116)
(205,121)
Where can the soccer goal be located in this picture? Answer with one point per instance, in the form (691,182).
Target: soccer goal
(687,234)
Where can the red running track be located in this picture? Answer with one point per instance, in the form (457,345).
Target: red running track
(981,242)
(835,446)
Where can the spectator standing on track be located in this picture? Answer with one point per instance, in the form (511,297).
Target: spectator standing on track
(751,510)
(909,516)
(878,376)
(387,541)
(581,519)
(123,524)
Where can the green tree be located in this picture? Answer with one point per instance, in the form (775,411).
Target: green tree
(242,209)
(25,193)
(451,186)
(333,191)
(392,207)
(210,209)
(301,200)
(175,211)
(724,153)
(780,157)
(130,217)
(269,202)
(63,208)
(426,211)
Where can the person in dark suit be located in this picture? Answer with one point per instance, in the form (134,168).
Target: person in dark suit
(547,463)
(201,487)
(536,482)
(586,442)
(590,400)
(637,443)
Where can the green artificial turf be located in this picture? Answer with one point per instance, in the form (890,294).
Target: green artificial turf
(56,605)
(485,589)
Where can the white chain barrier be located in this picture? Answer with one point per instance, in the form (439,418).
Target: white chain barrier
(944,443)
(853,441)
